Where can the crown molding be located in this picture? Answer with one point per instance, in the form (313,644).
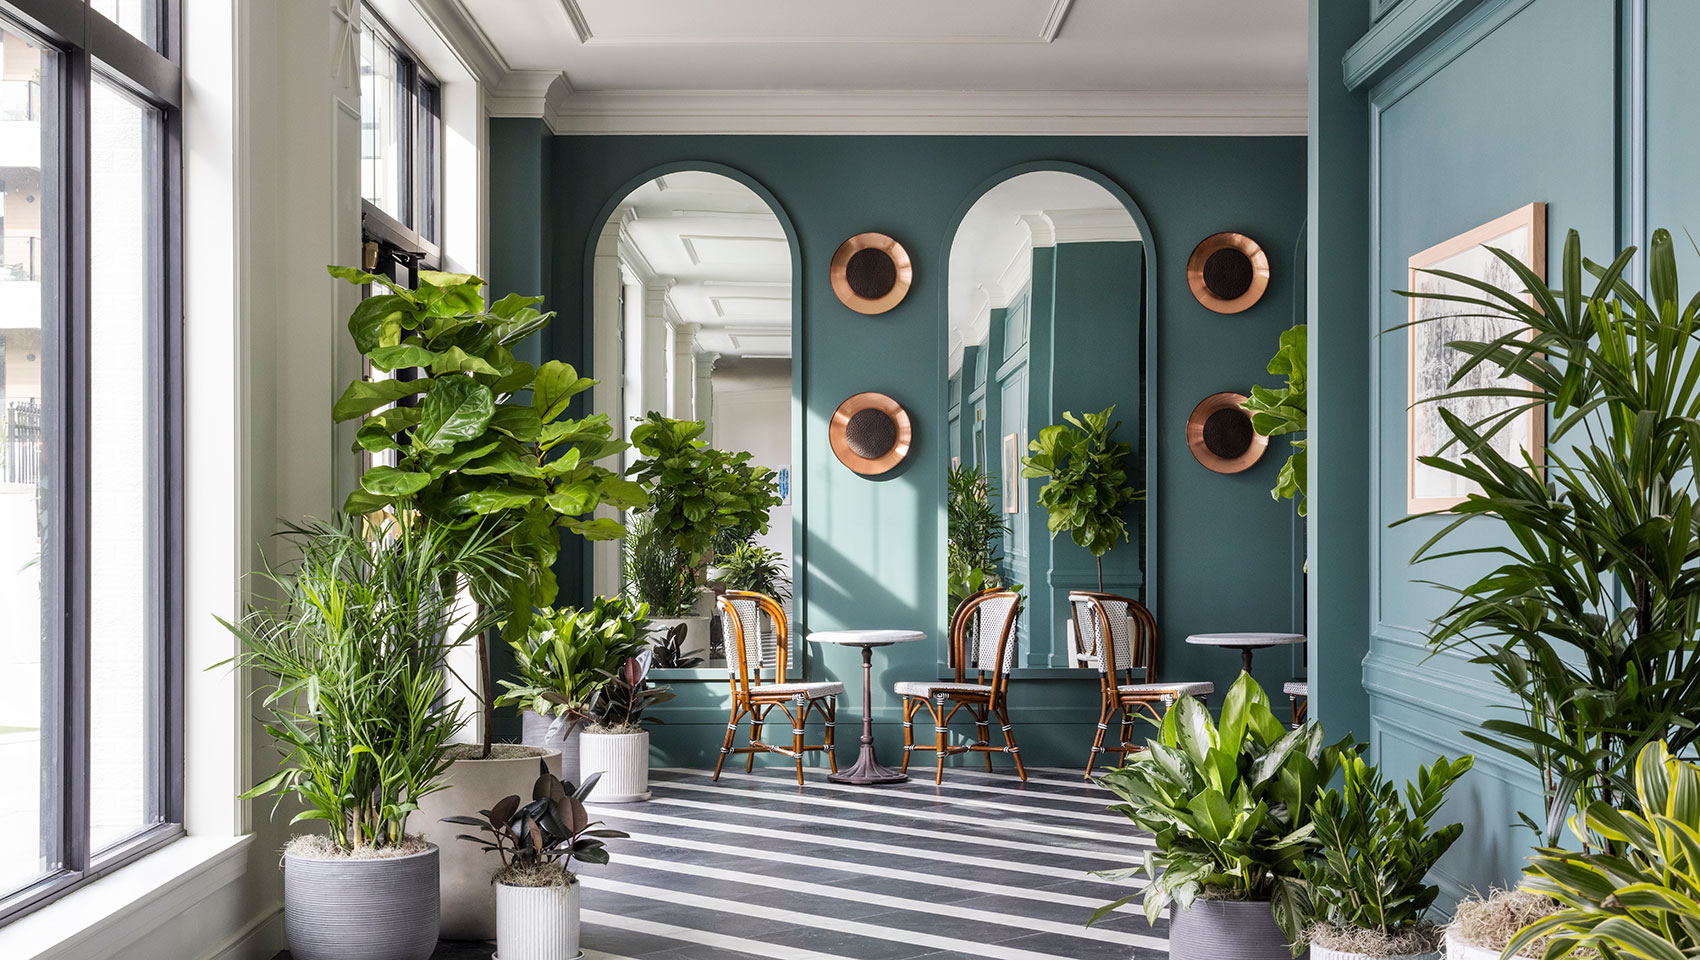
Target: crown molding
(451,22)
(1044,113)
(1094,225)
(527,93)
(1047,32)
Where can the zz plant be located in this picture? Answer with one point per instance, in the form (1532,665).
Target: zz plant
(1087,490)
(1590,616)
(1229,806)
(1643,902)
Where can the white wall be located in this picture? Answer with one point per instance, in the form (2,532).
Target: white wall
(752,411)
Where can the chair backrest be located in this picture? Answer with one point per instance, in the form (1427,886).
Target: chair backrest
(1129,627)
(749,649)
(982,634)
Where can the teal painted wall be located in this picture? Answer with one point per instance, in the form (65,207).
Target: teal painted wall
(1224,552)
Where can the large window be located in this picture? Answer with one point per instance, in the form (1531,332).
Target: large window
(401,133)
(90,704)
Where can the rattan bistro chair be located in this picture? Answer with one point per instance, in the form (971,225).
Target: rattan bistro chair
(1127,667)
(982,637)
(749,652)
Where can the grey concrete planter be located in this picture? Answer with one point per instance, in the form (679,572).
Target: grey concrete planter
(1227,930)
(383,909)
(535,732)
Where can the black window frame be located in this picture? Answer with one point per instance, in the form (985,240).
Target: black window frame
(89,46)
(419,110)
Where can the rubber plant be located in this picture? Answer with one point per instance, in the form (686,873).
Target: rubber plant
(1283,411)
(1589,614)
(480,438)
(1087,490)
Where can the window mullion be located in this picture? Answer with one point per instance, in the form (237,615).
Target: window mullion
(73,481)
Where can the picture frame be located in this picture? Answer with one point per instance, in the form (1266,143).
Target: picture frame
(1012,473)
(1431,363)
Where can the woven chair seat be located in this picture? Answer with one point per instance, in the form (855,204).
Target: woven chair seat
(1193,689)
(1296,688)
(813,691)
(923,688)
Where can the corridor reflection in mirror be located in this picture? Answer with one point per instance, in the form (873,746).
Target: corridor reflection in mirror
(691,304)
(1045,309)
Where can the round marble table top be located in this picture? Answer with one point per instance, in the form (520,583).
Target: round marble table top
(866,638)
(1245,639)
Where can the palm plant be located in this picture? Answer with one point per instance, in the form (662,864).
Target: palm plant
(973,526)
(1643,903)
(654,572)
(1589,620)
(354,651)
(1087,487)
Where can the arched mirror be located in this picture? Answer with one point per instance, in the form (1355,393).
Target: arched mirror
(1046,315)
(691,307)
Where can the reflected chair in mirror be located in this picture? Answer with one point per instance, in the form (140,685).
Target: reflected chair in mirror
(982,639)
(1298,697)
(1127,667)
(750,652)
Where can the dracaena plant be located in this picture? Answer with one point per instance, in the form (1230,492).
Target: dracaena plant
(1374,850)
(480,437)
(1644,901)
(1283,411)
(537,841)
(1229,806)
(566,656)
(697,491)
(1590,616)
(1087,491)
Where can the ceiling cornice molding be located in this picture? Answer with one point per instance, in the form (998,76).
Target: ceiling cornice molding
(1040,232)
(1047,32)
(528,93)
(452,22)
(1099,225)
(1056,113)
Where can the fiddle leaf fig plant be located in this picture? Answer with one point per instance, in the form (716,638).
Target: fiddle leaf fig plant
(1087,490)
(1283,411)
(698,491)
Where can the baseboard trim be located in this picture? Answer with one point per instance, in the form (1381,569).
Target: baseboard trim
(260,939)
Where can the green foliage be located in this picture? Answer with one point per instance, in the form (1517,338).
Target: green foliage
(565,657)
(670,650)
(1283,411)
(552,830)
(489,439)
(697,491)
(619,706)
(1642,903)
(755,567)
(1088,488)
(1590,618)
(653,572)
(353,652)
(1375,849)
(1229,806)
(974,527)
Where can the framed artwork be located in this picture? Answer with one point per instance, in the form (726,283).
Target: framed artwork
(1521,233)
(1012,473)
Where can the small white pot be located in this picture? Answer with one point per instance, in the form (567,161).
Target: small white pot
(537,923)
(623,761)
(696,635)
(1457,949)
(1324,953)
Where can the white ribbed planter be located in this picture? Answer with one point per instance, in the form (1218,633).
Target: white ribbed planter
(378,909)
(696,636)
(537,923)
(1457,949)
(469,898)
(535,732)
(623,761)
(1318,952)
(1227,930)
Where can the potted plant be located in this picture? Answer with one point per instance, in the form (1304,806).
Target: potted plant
(973,528)
(751,566)
(696,494)
(1483,927)
(669,647)
(1087,488)
(561,661)
(537,895)
(1373,853)
(1283,411)
(615,742)
(482,440)
(1640,901)
(1229,809)
(1584,616)
(656,576)
(353,652)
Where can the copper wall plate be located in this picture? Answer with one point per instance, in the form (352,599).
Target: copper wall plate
(1220,436)
(1228,272)
(871,273)
(870,433)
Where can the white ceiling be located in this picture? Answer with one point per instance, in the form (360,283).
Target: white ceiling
(724,255)
(1221,66)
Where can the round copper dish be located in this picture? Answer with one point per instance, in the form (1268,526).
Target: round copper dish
(1228,272)
(1220,436)
(871,273)
(870,433)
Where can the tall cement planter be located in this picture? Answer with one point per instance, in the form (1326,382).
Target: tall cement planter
(468,896)
(537,730)
(1227,930)
(377,909)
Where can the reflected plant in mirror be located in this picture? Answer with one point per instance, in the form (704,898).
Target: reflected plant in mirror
(1283,411)
(755,568)
(974,528)
(1087,492)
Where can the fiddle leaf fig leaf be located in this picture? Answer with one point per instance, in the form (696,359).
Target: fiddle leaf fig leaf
(363,396)
(457,408)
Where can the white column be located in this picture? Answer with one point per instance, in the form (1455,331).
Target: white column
(681,375)
(704,400)
(607,334)
(655,348)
